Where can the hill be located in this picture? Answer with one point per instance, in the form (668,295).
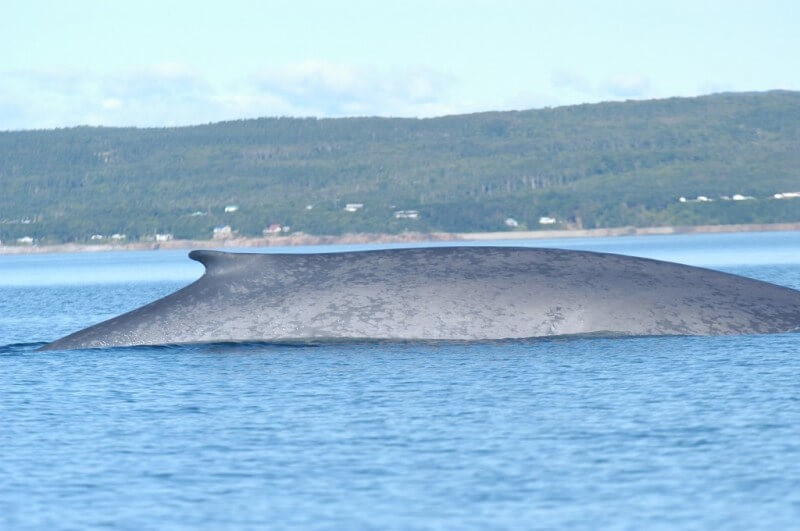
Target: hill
(585,166)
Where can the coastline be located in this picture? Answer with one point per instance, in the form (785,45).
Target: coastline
(407,237)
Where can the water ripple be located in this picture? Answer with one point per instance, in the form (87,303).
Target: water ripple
(578,433)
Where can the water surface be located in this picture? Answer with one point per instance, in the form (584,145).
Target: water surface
(585,433)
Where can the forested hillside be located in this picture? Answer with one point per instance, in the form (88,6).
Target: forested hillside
(599,165)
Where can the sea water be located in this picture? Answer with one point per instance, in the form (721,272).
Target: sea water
(586,433)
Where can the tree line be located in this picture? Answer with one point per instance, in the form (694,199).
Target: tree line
(598,165)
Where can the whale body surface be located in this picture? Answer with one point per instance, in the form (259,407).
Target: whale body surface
(445,293)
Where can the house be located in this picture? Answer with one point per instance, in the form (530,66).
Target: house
(511,222)
(118,237)
(353,207)
(546,220)
(406,214)
(231,208)
(275,228)
(222,233)
(164,237)
(698,199)
(27,240)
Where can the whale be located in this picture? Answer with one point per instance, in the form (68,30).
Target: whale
(469,293)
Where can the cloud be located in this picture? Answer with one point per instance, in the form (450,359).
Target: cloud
(172,94)
(564,79)
(112,103)
(615,86)
(333,89)
(627,85)
(157,81)
(158,95)
(42,99)
(712,87)
(317,88)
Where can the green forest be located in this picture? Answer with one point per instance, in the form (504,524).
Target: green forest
(585,166)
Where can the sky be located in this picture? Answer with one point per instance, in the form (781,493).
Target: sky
(160,63)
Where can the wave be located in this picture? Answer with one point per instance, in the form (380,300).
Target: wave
(304,343)
(20,348)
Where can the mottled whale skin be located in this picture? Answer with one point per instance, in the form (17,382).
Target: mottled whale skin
(445,293)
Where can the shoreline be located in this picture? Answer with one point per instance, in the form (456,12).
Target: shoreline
(407,237)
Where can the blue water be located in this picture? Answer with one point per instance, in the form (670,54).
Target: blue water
(665,433)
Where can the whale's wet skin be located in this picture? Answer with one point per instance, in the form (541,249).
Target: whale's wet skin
(448,293)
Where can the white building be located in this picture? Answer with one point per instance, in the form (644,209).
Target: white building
(222,233)
(275,228)
(546,220)
(698,199)
(353,207)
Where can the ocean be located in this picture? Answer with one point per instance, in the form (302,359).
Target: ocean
(578,433)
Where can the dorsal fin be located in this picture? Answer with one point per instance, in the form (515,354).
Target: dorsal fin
(214,261)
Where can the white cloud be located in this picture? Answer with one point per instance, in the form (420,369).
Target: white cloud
(564,79)
(627,85)
(333,89)
(112,103)
(172,94)
(312,76)
(45,99)
(615,86)
(714,87)
(528,99)
(175,94)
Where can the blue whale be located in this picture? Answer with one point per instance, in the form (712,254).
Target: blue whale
(445,293)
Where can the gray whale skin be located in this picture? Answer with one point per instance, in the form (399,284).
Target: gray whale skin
(445,293)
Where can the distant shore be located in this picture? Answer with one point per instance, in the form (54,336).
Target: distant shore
(406,237)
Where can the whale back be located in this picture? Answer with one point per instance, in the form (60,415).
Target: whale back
(446,293)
